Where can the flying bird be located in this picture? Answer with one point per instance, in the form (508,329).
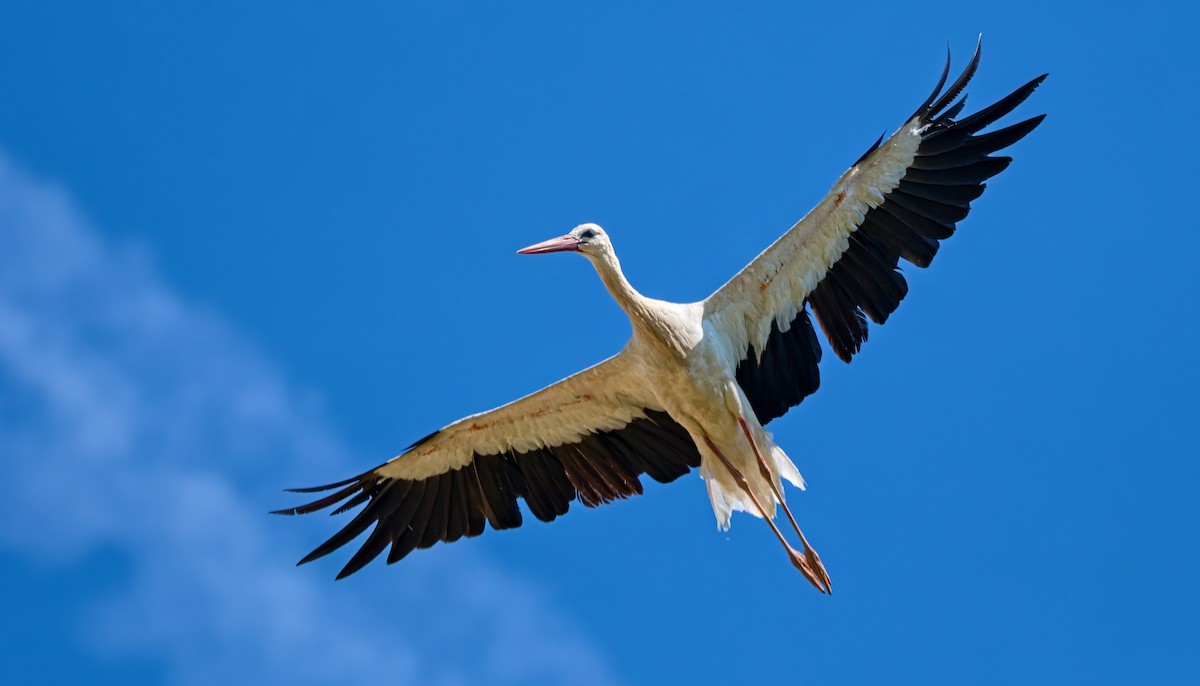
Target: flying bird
(697,381)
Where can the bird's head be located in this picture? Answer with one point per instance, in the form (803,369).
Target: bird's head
(588,239)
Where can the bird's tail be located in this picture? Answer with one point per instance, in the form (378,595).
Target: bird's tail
(784,467)
(727,497)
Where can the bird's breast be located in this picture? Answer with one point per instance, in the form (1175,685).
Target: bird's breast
(691,382)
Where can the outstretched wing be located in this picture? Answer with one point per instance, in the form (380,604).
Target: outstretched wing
(899,200)
(588,437)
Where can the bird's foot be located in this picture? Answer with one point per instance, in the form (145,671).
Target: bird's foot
(815,560)
(812,569)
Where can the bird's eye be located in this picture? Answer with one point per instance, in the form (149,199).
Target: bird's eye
(588,235)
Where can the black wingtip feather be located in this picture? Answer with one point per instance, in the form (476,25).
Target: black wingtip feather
(322,503)
(1001,107)
(970,174)
(326,487)
(960,195)
(339,539)
(949,115)
(959,84)
(352,503)
(936,89)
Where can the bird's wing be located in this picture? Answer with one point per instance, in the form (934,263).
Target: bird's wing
(588,436)
(898,201)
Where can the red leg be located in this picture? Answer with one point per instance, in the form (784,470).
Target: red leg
(799,561)
(766,472)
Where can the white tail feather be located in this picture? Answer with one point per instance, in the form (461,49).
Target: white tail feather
(785,468)
(727,497)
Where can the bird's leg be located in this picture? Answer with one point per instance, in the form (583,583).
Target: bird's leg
(809,552)
(799,561)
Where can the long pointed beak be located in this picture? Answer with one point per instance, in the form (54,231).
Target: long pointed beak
(560,244)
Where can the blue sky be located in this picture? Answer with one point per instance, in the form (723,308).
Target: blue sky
(244,248)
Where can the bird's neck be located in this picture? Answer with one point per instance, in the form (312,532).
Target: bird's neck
(635,304)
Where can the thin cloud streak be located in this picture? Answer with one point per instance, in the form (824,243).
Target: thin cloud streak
(133,419)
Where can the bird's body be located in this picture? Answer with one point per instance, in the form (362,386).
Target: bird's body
(697,381)
(686,365)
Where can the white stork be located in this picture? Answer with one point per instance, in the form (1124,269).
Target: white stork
(697,381)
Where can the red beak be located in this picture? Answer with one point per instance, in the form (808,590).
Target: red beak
(560,244)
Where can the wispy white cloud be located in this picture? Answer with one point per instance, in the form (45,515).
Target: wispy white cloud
(131,418)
